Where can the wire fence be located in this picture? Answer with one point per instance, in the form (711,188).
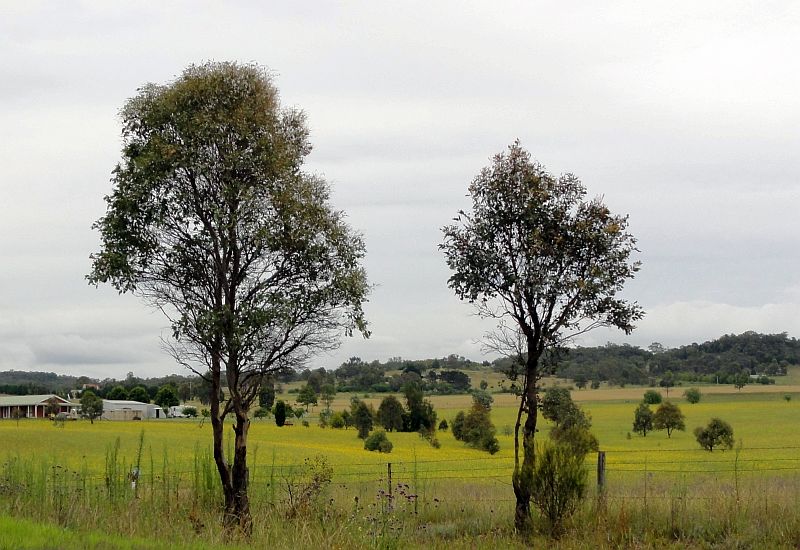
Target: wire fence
(624,468)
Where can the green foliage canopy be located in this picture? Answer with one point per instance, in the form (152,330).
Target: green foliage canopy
(643,419)
(213,220)
(693,395)
(669,417)
(533,254)
(717,433)
(390,414)
(91,405)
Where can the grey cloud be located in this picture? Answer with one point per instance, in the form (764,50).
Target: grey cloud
(682,115)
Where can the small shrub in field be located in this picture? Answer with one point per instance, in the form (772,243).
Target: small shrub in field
(787,397)
(337,421)
(692,395)
(303,492)
(652,397)
(261,412)
(559,484)
(429,435)
(443,425)
(718,433)
(191,412)
(378,442)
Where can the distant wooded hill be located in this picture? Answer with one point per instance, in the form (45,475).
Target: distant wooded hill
(719,360)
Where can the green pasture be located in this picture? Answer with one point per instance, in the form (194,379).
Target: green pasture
(764,424)
(57,484)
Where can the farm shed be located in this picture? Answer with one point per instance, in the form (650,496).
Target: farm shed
(31,406)
(114,409)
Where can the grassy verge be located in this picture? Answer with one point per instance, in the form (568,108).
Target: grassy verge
(24,534)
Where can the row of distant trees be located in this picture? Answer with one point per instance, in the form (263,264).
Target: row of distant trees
(718,361)
(724,360)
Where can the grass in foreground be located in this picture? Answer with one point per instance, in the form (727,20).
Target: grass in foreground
(661,492)
(24,534)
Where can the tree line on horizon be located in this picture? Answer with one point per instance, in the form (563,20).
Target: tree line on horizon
(716,361)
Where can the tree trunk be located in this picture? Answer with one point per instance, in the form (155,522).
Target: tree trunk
(234,479)
(237,511)
(522,480)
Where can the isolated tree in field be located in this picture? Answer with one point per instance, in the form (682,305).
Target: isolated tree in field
(139,393)
(91,405)
(669,417)
(307,396)
(741,379)
(534,254)
(692,395)
(212,219)
(718,433)
(643,419)
(580,381)
(390,414)
(667,381)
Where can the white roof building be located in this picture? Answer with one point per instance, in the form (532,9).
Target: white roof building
(117,409)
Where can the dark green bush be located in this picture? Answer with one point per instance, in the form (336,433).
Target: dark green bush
(280,413)
(718,433)
(692,395)
(652,397)
(378,442)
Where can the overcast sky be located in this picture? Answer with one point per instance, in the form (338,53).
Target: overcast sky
(684,115)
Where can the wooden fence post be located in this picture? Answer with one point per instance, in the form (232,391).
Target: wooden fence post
(389,478)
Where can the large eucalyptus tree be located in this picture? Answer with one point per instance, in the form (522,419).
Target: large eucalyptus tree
(548,265)
(212,219)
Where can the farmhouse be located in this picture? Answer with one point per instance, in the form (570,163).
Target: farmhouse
(114,409)
(32,406)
